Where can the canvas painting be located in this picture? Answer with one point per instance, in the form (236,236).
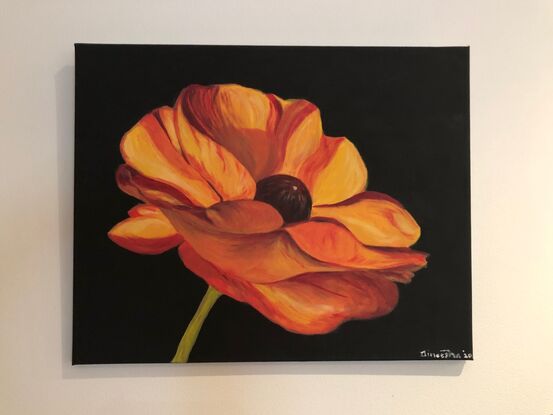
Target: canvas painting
(241,203)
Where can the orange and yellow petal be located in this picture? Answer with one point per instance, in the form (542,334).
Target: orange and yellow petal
(374,219)
(148,149)
(147,210)
(216,164)
(313,303)
(335,172)
(298,133)
(166,119)
(276,253)
(333,244)
(257,257)
(146,231)
(239,119)
(148,190)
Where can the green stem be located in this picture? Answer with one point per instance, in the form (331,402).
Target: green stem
(191,334)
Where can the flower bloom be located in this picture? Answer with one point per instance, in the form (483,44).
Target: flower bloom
(265,208)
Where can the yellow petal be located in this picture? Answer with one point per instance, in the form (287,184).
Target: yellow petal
(335,172)
(147,148)
(147,231)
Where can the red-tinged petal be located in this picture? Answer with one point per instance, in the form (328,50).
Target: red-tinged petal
(374,219)
(124,179)
(335,172)
(334,244)
(240,119)
(148,190)
(148,149)
(318,303)
(213,161)
(147,210)
(244,216)
(282,253)
(298,133)
(314,303)
(166,119)
(257,257)
(146,231)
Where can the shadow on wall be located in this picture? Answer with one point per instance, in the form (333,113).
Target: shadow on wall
(65,104)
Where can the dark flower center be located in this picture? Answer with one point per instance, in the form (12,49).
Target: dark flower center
(286,194)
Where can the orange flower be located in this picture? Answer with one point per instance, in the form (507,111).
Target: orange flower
(265,208)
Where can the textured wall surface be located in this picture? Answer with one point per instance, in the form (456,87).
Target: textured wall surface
(512,148)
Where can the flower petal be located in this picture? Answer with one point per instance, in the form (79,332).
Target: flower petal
(148,190)
(147,148)
(334,244)
(238,118)
(335,172)
(299,132)
(257,257)
(165,117)
(216,164)
(314,303)
(146,231)
(286,252)
(244,216)
(374,219)
(147,210)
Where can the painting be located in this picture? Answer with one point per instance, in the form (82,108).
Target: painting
(241,203)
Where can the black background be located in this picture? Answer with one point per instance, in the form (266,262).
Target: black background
(406,110)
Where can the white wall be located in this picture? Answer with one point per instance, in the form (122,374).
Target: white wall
(512,135)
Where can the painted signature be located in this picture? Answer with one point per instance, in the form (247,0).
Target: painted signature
(445,354)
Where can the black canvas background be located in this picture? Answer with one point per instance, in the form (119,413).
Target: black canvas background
(406,110)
